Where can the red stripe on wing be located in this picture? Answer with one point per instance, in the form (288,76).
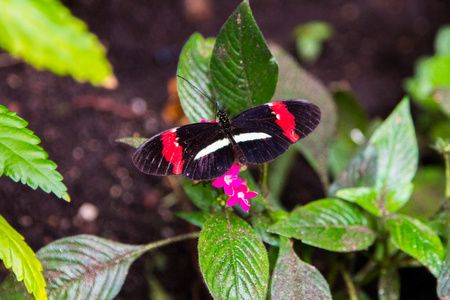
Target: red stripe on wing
(172,151)
(285,120)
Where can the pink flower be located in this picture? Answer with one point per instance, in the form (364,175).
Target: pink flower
(241,196)
(229,180)
(204,121)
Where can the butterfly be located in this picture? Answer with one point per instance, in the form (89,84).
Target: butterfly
(205,151)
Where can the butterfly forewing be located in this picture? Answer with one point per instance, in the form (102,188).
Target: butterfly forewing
(266,131)
(199,151)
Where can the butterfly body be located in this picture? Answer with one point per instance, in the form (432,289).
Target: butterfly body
(204,151)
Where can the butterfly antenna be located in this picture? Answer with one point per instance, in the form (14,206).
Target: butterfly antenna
(198,90)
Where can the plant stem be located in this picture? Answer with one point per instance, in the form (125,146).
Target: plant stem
(171,240)
(349,283)
(447,175)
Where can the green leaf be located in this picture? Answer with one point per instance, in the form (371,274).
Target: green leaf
(295,82)
(440,224)
(429,184)
(203,195)
(431,73)
(351,128)
(363,196)
(329,224)
(22,159)
(309,38)
(46,35)
(233,259)
(397,198)
(261,223)
(397,149)
(361,171)
(17,254)
(418,240)
(241,45)
(197,218)
(86,267)
(389,283)
(133,142)
(443,284)
(295,279)
(194,67)
(442,41)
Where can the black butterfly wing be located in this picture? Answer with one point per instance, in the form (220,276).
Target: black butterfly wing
(266,131)
(199,151)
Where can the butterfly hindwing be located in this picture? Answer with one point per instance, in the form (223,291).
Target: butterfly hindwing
(199,151)
(266,131)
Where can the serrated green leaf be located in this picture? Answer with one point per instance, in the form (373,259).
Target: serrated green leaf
(46,35)
(389,283)
(22,159)
(418,240)
(233,259)
(133,142)
(363,196)
(295,279)
(86,267)
(295,82)
(17,254)
(443,284)
(396,144)
(329,224)
(193,65)
(197,218)
(241,45)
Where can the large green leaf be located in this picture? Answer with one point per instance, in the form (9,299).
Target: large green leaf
(241,45)
(233,259)
(194,67)
(86,267)
(418,240)
(17,254)
(295,82)
(329,224)
(46,35)
(397,148)
(22,159)
(295,279)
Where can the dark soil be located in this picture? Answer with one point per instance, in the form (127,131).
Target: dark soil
(375,46)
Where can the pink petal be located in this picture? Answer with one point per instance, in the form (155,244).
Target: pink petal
(232,201)
(251,194)
(245,205)
(234,170)
(219,182)
(229,190)
(236,182)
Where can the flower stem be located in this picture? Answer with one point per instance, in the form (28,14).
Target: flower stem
(350,286)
